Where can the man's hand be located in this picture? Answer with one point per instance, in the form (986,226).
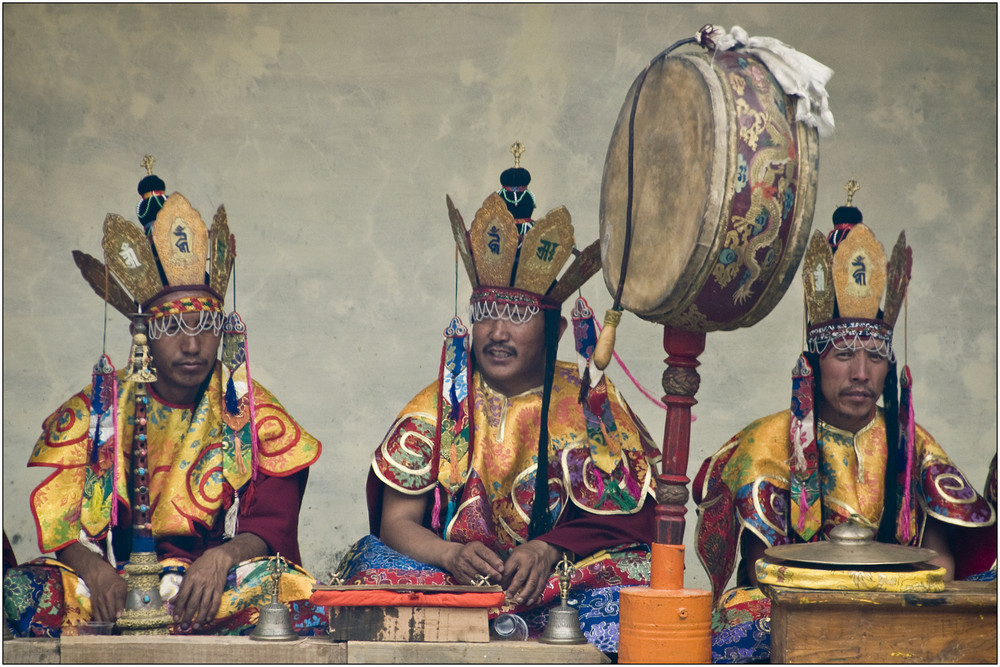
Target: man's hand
(468,561)
(107,594)
(200,593)
(527,570)
(107,587)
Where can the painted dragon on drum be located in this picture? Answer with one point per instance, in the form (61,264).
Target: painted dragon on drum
(772,181)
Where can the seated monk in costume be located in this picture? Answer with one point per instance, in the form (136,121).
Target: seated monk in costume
(226,465)
(503,464)
(835,455)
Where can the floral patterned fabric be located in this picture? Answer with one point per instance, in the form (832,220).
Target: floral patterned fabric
(741,627)
(593,590)
(44,598)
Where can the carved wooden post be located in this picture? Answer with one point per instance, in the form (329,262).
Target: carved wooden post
(667,623)
(680,382)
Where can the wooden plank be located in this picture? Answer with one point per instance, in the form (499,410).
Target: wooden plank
(974,593)
(206,650)
(956,625)
(198,649)
(409,624)
(406,588)
(31,651)
(494,652)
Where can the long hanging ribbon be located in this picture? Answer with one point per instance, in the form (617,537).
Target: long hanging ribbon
(454,378)
(805,510)
(585,340)
(103,431)
(238,413)
(907,446)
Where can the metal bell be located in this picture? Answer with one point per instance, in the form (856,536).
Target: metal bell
(274,623)
(563,627)
(564,621)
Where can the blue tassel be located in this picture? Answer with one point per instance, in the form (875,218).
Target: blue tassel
(95,395)
(453,397)
(232,403)
(451,512)
(97,408)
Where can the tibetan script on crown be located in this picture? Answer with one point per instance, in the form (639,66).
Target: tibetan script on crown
(182,236)
(546,250)
(129,258)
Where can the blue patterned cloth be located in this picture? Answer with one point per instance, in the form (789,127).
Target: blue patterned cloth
(370,561)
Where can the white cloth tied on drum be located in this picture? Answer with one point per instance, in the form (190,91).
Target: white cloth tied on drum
(799,75)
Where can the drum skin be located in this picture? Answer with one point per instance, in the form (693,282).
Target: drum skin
(724,189)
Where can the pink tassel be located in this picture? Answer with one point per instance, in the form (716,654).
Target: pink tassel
(436,512)
(645,392)
(630,483)
(599,483)
(802,510)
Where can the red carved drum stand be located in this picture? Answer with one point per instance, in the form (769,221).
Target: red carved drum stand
(667,623)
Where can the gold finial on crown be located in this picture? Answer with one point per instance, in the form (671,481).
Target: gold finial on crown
(517,148)
(851,186)
(147,163)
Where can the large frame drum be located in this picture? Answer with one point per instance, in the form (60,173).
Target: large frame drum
(723,191)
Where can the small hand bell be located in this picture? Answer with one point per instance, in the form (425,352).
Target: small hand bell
(564,621)
(274,622)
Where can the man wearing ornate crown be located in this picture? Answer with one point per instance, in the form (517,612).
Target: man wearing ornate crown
(835,455)
(503,464)
(181,451)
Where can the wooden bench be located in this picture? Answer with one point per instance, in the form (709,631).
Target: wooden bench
(236,650)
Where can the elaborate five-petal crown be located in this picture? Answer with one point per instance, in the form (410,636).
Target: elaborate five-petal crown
(845,276)
(514,276)
(177,253)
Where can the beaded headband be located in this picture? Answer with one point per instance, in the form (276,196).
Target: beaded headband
(167,319)
(498,303)
(849,335)
(191,304)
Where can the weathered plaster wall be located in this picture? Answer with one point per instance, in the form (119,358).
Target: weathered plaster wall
(332,134)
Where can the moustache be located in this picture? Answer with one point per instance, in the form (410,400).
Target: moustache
(500,347)
(859,389)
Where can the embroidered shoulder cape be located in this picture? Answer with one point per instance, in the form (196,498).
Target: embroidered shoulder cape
(195,468)
(603,464)
(745,485)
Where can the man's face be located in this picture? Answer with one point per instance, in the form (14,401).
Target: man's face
(851,381)
(183,362)
(510,356)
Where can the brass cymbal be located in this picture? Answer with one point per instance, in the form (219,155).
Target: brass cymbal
(850,544)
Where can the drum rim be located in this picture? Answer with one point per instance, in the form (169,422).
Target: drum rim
(693,272)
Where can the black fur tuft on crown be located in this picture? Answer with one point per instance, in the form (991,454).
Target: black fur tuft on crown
(520,201)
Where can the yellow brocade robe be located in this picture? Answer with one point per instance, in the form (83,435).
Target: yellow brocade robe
(195,465)
(601,472)
(745,485)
